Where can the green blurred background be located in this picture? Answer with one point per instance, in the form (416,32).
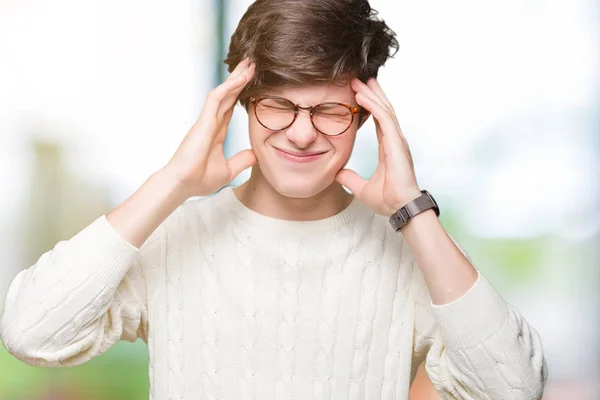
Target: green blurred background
(500,104)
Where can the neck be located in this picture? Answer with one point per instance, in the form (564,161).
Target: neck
(258,195)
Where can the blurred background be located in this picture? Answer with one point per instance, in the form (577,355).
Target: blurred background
(499,101)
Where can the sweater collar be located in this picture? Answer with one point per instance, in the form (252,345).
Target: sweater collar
(241,213)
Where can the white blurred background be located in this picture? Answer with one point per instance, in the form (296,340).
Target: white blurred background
(498,101)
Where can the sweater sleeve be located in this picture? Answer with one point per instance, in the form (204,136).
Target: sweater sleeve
(79,298)
(477,346)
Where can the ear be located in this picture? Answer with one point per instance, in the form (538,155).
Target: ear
(365,117)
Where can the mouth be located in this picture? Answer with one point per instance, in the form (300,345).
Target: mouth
(299,158)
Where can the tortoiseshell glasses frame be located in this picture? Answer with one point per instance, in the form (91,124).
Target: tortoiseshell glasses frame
(353,111)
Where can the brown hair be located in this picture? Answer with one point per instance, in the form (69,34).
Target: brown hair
(299,42)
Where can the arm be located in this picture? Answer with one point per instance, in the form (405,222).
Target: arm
(477,346)
(90,291)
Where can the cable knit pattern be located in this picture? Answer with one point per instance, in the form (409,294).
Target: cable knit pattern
(174,305)
(237,305)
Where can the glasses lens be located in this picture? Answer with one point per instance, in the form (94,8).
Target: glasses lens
(332,119)
(275,114)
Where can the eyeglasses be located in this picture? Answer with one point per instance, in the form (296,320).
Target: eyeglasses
(278,113)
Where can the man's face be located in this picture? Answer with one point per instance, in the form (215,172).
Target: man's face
(303,177)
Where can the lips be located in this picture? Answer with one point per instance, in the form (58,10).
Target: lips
(299,157)
(300,154)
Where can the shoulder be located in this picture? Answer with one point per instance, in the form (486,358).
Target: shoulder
(206,211)
(194,218)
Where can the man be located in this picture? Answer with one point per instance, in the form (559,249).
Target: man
(286,286)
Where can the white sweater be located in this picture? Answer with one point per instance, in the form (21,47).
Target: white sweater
(237,305)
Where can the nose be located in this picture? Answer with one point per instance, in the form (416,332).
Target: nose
(302,132)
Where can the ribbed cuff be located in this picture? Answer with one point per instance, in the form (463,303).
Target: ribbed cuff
(474,317)
(112,255)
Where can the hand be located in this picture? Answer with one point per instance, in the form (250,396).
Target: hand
(393,184)
(199,164)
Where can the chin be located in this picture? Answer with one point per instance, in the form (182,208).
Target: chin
(298,187)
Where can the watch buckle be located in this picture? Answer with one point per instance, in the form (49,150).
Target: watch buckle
(401,215)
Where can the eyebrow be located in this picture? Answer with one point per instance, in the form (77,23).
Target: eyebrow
(350,103)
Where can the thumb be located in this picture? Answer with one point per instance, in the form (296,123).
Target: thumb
(240,161)
(351,180)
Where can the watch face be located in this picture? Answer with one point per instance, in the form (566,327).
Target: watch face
(437,209)
(430,196)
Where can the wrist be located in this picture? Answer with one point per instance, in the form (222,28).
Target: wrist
(412,208)
(169,183)
(137,217)
(407,198)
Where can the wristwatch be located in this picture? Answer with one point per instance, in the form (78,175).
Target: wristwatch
(424,202)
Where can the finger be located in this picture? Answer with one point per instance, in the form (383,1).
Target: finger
(360,87)
(235,82)
(224,125)
(238,68)
(387,120)
(373,84)
(392,143)
(208,129)
(248,71)
(216,95)
(351,180)
(241,161)
(380,147)
(378,96)
(209,121)
(231,98)
(380,113)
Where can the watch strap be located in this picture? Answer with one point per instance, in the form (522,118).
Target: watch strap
(412,208)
